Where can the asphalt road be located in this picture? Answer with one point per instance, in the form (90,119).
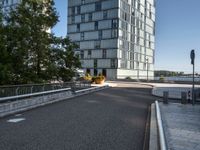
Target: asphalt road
(112,119)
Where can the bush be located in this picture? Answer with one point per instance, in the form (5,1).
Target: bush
(162,78)
(99,79)
(128,78)
(88,77)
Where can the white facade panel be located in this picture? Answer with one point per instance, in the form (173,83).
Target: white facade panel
(87,8)
(97,54)
(87,45)
(109,43)
(97,16)
(72,28)
(75,36)
(89,63)
(104,63)
(109,4)
(91,35)
(87,26)
(106,34)
(106,24)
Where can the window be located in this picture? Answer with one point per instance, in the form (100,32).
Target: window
(90,17)
(82,1)
(73,19)
(105,15)
(104,53)
(82,55)
(97,44)
(113,63)
(114,33)
(97,6)
(78,10)
(100,34)
(82,36)
(104,72)
(95,72)
(96,25)
(82,18)
(114,23)
(78,27)
(89,53)
(88,71)
(95,63)
(73,10)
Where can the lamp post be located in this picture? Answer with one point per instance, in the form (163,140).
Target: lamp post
(147,61)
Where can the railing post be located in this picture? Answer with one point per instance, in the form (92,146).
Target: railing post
(16,91)
(31,89)
(43,88)
(183,98)
(165,97)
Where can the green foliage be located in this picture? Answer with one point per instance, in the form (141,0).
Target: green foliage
(165,73)
(99,79)
(88,77)
(67,60)
(162,78)
(30,54)
(128,78)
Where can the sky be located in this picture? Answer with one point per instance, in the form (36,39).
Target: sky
(177,33)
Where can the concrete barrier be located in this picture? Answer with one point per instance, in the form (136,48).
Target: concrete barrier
(30,101)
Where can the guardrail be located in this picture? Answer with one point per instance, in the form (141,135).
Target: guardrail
(14,104)
(4,99)
(162,141)
(90,89)
(8,91)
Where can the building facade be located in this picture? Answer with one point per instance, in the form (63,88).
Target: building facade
(116,37)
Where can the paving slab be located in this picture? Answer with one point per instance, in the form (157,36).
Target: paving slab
(181,125)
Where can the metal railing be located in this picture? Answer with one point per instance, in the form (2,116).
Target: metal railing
(5,99)
(15,90)
(162,140)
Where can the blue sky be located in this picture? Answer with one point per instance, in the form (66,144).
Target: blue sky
(177,32)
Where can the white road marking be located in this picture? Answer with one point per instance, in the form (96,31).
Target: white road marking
(17,115)
(16,120)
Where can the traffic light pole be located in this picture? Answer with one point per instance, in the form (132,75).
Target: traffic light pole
(193,100)
(192,56)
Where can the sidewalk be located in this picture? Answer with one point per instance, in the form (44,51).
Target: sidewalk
(173,89)
(181,125)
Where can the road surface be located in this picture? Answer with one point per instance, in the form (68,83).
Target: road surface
(112,119)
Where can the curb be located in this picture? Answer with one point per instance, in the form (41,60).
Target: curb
(162,140)
(42,102)
(153,139)
(157,139)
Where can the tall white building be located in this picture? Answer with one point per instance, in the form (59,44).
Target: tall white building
(116,37)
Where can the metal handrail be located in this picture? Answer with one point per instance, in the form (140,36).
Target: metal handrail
(14,90)
(84,90)
(32,94)
(163,145)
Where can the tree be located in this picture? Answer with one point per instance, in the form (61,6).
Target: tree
(67,60)
(5,59)
(29,40)
(30,54)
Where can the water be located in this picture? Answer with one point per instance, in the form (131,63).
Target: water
(197,79)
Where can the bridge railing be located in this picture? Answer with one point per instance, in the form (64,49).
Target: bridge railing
(15,90)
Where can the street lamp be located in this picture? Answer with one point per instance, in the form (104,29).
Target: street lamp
(147,61)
